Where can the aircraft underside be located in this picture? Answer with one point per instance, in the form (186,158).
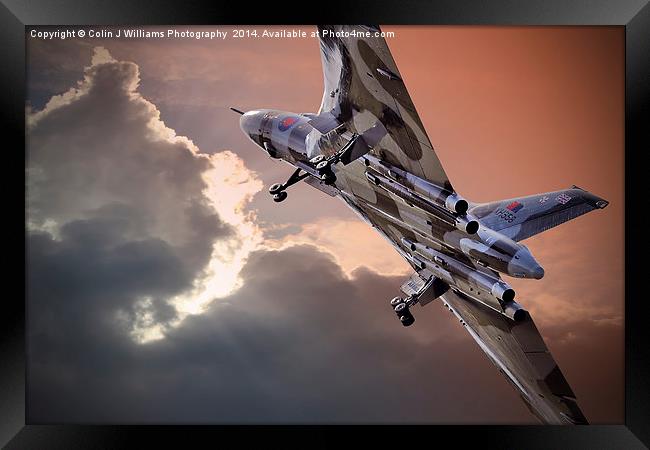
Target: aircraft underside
(368,147)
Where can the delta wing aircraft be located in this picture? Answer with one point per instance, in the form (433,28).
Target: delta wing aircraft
(367,146)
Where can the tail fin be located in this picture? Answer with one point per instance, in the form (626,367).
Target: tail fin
(521,218)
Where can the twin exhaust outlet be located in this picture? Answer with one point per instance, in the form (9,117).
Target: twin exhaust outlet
(445,205)
(449,270)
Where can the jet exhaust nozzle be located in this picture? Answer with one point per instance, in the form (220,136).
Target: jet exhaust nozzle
(463,222)
(503,291)
(408,244)
(441,266)
(514,310)
(456,203)
(418,262)
(440,196)
(469,226)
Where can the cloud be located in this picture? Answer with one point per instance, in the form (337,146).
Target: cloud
(301,341)
(363,247)
(110,183)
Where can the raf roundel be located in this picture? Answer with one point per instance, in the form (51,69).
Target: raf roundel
(286,123)
(515,206)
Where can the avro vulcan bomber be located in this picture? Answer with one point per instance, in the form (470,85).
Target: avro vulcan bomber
(367,146)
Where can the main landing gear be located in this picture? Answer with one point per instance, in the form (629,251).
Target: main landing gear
(402,306)
(322,167)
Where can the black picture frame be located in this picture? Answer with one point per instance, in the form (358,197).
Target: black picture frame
(634,15)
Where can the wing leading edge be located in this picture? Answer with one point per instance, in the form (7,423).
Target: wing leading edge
(364,90)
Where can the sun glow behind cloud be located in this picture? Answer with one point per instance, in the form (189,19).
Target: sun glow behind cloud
(230,188)
(174,195)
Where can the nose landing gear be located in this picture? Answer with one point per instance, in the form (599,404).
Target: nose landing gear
(318,166)
(278,190)
(280,196)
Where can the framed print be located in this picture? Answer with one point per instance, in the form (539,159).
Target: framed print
(246,225)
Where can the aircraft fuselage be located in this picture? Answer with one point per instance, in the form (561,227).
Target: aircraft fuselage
(422,211)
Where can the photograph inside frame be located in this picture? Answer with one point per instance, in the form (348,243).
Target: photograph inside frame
(423,255)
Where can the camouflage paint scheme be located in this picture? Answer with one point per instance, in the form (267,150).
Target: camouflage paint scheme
(387,171)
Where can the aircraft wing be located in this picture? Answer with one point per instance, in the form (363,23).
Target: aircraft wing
(516,348)
(523,217)
(365,91)
(520,354)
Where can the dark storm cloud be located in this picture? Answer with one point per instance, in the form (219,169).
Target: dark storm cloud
(300,341)
(102,148)
(118,209)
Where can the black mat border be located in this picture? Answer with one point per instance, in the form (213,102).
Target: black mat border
(633,15)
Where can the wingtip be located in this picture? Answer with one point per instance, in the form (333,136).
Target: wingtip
(600,203)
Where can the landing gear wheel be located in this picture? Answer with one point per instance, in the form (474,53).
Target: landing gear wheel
(328,178)
(316,159)
(401,309)
(407,319)
(275,188)
(403,312)
(279,197)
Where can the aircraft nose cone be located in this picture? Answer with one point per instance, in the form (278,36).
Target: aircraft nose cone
(537,272)
(250,123)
